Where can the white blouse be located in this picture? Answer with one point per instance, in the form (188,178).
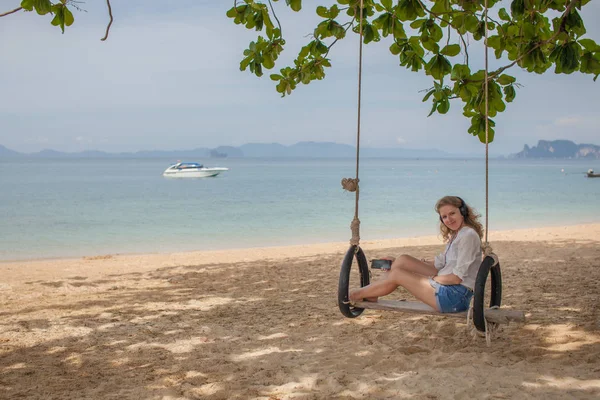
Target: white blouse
(462,257)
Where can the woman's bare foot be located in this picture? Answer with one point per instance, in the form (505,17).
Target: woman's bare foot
(352,296)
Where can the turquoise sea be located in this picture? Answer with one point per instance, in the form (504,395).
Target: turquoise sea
(75,207)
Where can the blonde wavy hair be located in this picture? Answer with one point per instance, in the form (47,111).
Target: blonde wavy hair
(472,218)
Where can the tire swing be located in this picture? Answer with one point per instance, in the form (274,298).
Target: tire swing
(353,252)
(489,266)
(484,319)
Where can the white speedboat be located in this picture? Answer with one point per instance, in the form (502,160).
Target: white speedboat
(591,174)
(192,170)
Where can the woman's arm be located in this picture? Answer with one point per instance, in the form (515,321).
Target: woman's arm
(469,250)
(439,261)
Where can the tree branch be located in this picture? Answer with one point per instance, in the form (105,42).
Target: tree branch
(466,51)
(110,22)
(277,19)
(11,12)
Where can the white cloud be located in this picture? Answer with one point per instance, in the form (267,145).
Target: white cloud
(568,121)
(579,121)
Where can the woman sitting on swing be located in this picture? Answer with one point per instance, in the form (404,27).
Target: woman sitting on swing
(447,283)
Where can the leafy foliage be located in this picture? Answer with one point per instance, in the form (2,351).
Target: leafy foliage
(62,15)
(431,35)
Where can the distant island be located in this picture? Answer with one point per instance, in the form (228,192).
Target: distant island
(544,149)
(559,149)
(251,150)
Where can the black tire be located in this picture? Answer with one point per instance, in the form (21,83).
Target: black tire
(487,267)
(344,283)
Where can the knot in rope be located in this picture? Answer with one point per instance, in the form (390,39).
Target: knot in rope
(350,184)
(355,227)
(490,327)
(489,252)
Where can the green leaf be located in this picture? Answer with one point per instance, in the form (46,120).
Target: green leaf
(509,93)
(233,11)
(495,42)
(267,21)
(517,8)
(334,11)
(491,134)
(418,23)
(503,15)
(370,34)
(322,12)
(441,7)
(268,61)
(477,127)
(295,5)
(436,32)
(506,79)
(471,23)
(574,23)
(321,48)
(430,45)
(69,19)
(590,63)
(443,106)
(428,95)
(409,10)
(451,50)
(42,7)
(460,72)
(398,30)
(27,5)
(59,16)
(433,108)
(438,66)
(589,45)
(305,50)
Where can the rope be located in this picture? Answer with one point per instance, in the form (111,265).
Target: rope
(470,315)
(355,228)
(490,327)
(487,250)
(351,184)
(487,125)
(490,330)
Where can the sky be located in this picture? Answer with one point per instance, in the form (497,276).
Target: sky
(168,78)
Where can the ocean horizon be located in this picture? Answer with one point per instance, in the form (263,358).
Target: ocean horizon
(62,208)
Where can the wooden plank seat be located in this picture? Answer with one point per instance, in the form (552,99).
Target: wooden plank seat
(497,315)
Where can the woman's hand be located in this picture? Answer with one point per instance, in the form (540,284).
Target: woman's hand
(427,261)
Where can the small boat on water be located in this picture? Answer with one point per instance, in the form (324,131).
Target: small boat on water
(591,174)
(192,170)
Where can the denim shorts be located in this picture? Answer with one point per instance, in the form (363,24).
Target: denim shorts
(451,298)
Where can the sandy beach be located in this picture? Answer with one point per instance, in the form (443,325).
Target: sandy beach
(264,324)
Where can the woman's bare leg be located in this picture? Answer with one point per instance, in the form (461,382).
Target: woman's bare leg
(417,285)
(411,264)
